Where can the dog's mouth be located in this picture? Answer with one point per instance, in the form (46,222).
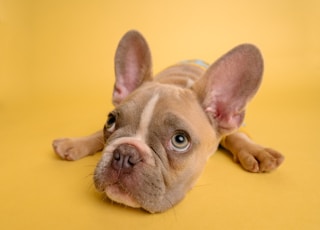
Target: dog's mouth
(115,186)
(129,175)
(118,193)
(138,190)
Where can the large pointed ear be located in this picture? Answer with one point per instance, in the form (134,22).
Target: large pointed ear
(228,85)
(132,65)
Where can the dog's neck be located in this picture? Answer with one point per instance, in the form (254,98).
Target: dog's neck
(183,74)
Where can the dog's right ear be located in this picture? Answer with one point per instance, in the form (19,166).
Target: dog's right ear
(133,65)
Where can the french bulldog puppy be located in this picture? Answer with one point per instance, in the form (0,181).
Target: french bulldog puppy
(158,138)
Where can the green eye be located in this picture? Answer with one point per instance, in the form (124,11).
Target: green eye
(180,142)
(111,122)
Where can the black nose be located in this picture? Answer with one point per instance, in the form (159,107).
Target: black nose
(125,157)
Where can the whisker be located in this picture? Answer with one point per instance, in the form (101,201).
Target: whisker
(202,185)
(107,199)
(172,207)
(101,141)
(89,175)
(91,187)
(91,166)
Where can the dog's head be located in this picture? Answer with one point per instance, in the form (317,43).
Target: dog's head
(159,136)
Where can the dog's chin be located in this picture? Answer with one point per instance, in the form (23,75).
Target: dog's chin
(115,193)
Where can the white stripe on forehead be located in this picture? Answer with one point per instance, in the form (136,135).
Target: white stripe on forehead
(146,117)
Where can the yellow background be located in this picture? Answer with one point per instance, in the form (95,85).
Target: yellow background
(56,77)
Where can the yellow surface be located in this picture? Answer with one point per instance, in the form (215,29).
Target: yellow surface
(56,77)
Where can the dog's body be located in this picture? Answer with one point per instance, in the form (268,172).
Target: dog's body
(159,136)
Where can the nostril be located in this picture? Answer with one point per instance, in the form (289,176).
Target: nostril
(116,156)
(132,161)
(117,162)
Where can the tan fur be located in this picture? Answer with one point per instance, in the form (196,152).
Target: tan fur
(140,166)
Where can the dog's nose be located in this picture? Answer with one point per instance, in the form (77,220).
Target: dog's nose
(125,157)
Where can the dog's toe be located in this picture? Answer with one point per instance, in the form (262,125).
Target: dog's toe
(269,159)
(248,161)
(259,159)
(65,149)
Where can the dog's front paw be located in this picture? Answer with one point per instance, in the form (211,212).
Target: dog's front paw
(69,148)
(255,158)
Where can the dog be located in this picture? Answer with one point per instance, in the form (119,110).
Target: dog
(163,129)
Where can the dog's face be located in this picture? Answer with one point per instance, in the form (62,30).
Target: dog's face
(159,136)
(154,153)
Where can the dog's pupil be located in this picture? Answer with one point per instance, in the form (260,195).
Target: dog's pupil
(180,139)
(111,120)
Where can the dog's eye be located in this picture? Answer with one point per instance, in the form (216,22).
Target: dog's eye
(111,122)
(180,142)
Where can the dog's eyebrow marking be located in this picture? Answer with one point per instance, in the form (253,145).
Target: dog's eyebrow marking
(190,82)
(146,117)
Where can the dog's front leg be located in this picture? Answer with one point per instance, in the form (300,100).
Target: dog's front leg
(75,148)
(251,156)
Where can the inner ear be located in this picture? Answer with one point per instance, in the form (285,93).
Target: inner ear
(133,65)
(229,84)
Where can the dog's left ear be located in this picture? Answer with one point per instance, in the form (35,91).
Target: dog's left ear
(228,85)
(132,65)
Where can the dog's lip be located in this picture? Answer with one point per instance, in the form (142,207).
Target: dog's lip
(116,193)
